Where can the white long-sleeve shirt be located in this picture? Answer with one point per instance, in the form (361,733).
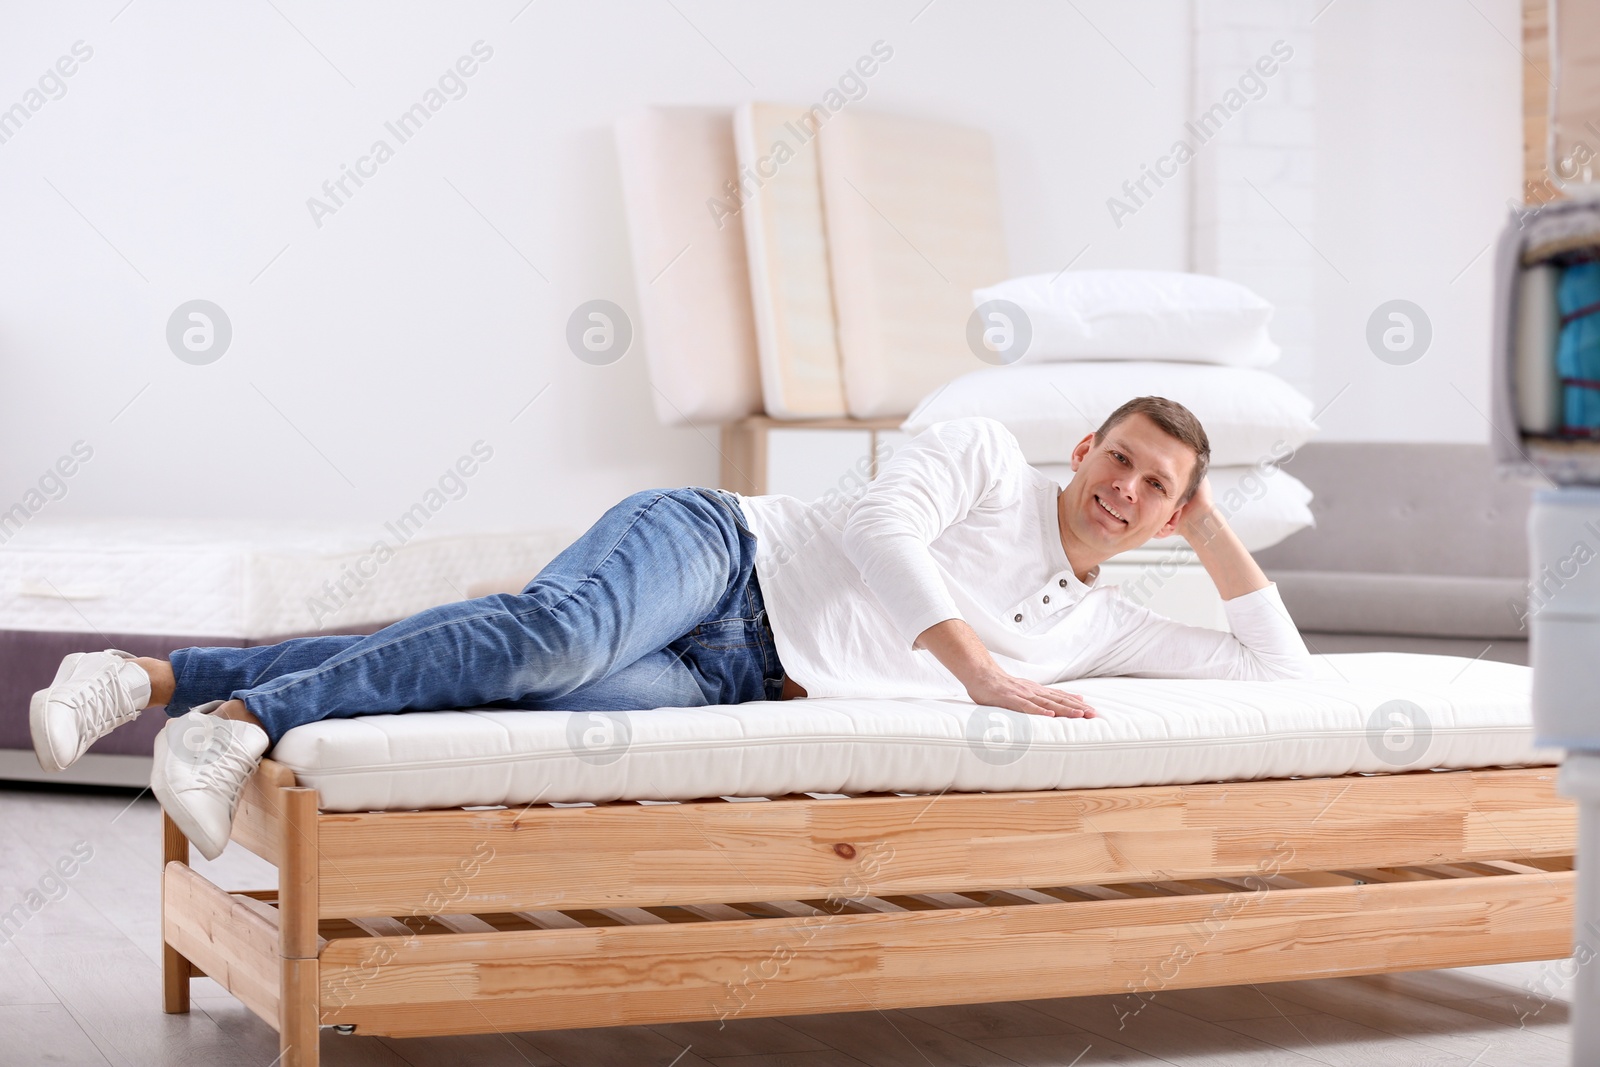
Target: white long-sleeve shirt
(957,525)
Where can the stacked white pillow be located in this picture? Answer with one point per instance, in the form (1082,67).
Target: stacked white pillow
(1264,505)
(1138,315)
(1096,339)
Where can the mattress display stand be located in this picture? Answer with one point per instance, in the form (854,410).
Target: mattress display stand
(413,923)
(760,454)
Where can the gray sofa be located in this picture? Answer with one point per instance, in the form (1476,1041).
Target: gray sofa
(1417,548)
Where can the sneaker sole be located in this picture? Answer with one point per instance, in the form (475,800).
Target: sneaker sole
(36,716)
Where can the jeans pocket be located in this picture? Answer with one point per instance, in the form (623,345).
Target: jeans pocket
(729,503)
(723,635)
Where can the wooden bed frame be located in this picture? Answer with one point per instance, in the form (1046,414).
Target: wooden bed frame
(550,917)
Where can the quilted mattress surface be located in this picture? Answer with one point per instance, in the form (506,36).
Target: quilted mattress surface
(232,579)
(1367,712)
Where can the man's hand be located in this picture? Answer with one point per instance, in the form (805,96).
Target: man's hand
(1232,569)
(1199,520)
(1002,690)
(957,645)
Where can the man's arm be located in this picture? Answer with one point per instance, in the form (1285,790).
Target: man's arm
(1231,567)
(934,481)
(1261,642)
(957,645)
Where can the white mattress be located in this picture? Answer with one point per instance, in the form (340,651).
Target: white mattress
(786,247)
(692,280)
(246,581)
(1150,732)
(912,226)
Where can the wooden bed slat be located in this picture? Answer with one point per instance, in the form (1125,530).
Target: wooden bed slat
(592,918)
(1182,889)
(947,900)
(1457,870)
(1315,879)
(786,907)
(391,927)
(1022,896)
(549,920)
(382,926)
(1388,874)
(632,916)
(714,912)
(1141,889)
(1084,893)
(259,901)
(1513,867)
(876,904)
(617,976)
(464,924)
(676,915)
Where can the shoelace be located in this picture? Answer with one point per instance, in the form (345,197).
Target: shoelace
(102,703)
(228,770)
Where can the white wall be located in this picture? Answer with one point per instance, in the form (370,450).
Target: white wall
(1254,103)
(1419,142)
(374,350)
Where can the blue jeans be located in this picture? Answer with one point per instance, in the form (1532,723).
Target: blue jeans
(657,605)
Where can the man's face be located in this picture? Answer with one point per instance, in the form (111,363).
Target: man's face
(1126,488)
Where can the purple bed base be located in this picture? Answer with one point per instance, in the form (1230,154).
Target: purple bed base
(28,661)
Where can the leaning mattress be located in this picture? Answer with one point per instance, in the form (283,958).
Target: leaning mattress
(1368,712)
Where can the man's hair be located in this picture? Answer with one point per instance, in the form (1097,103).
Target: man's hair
(1175,420)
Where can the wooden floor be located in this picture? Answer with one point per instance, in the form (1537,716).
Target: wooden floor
(80,984)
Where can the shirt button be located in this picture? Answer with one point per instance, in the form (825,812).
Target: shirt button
(1062,583)
(1017,617)
(1047,598)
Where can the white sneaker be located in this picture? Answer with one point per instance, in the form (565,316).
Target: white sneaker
(201,763)
(93,694)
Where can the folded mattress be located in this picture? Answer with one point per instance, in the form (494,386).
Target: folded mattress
(246,581)
(1368,712)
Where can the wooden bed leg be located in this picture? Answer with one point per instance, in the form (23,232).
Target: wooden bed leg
(299,1029)
(299,1014)
(175,969)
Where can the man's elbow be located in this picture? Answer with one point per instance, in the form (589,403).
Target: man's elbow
(1258,665)
(1291,668)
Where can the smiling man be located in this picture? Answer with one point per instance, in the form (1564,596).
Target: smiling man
(960,571)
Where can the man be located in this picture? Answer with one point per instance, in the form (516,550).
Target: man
(959,572)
